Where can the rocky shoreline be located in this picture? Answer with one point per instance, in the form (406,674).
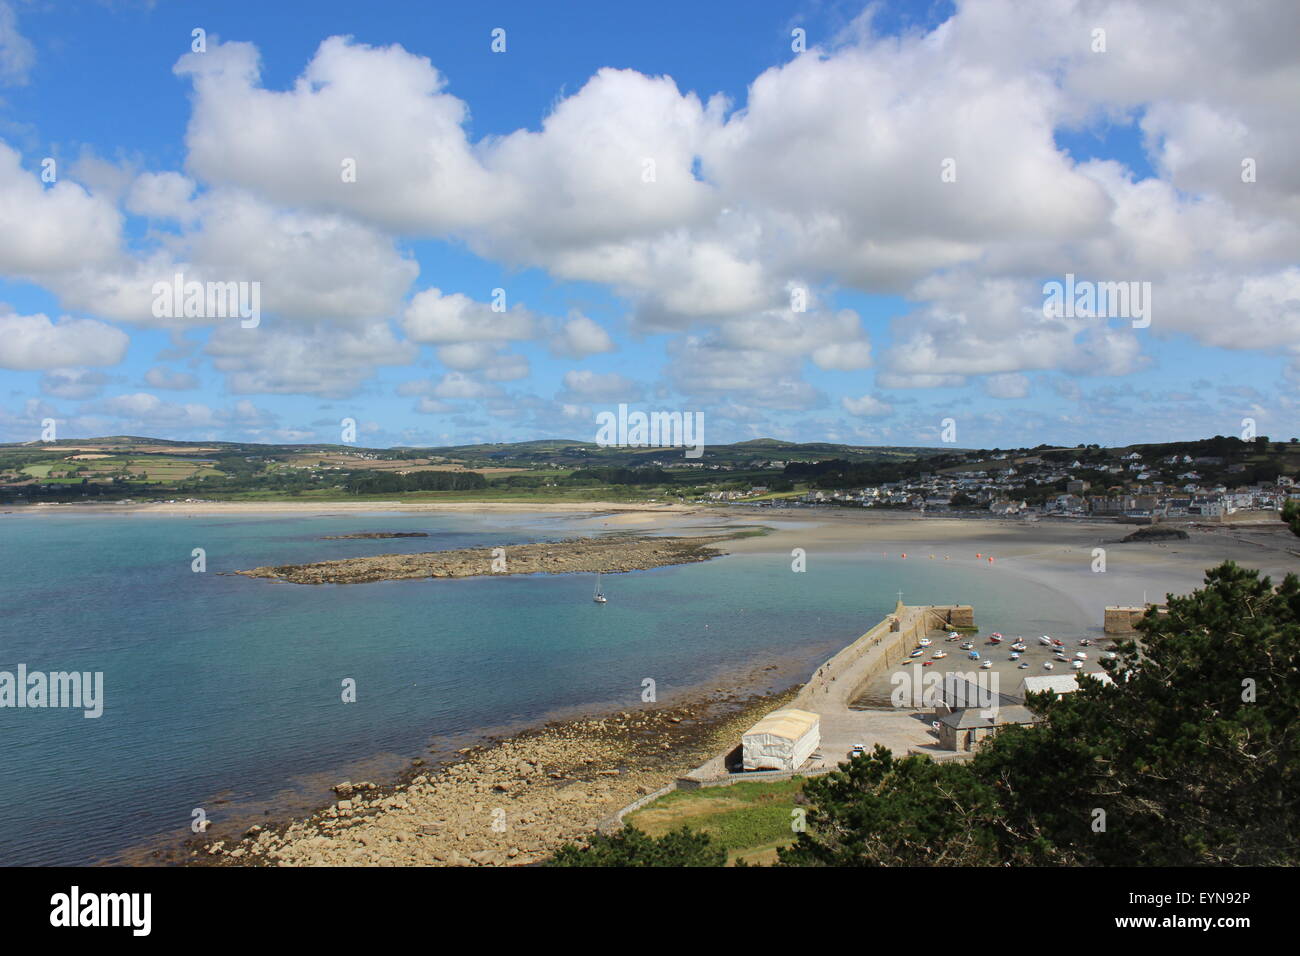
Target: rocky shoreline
(370,535)
(511,802)
(611,554)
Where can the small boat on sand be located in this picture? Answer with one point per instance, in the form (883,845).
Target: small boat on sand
(1023,664)
(916,653)
(1020,647)
(995,638)
(1045,640)
(1080,656)
(939,655)
(974,655)
(1015,657)
(1077,665)
(1048,665)
(986,665)
(967,645)
(924,642)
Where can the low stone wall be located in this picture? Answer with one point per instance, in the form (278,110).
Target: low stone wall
(956,615)
(614,822)
(1121,620)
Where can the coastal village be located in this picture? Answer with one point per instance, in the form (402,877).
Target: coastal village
(1128,486)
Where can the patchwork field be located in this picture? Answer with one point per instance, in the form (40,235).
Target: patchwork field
(357,463)
(101,467)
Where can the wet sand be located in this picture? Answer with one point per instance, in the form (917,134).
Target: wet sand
(1057,554)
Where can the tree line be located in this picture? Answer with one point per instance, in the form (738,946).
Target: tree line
(385,483)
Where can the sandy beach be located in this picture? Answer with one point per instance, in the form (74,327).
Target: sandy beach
(351,507)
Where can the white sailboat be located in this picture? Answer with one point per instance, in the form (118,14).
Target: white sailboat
(598,597)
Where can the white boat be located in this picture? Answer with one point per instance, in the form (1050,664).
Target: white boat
(953,635)
(916,653)
(986,665)
(1048,665)
(924,642)
(1045,640)
(599,597)
(1110,655)
(1015,657)
(1020,647)
(1077,665)
(1062,658)
(939,655)
(1080,656)
(967,645)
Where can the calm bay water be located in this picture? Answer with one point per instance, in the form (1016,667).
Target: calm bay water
(223,692)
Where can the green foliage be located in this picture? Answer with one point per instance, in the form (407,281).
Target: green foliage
(1192,754)
(386,483)
(632,847)
(877,810)
(839,473)
(622,476)
(1291,515)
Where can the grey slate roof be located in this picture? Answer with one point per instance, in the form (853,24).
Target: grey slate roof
(971,717)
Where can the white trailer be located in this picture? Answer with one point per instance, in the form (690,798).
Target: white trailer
(782,740)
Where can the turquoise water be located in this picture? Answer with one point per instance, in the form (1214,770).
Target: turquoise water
(224,692)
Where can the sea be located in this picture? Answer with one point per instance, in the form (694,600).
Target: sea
(239,699)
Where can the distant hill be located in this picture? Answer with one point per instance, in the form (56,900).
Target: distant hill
(572,452)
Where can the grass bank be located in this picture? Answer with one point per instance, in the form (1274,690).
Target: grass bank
(751,820)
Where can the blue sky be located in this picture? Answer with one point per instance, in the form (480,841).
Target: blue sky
(774,170)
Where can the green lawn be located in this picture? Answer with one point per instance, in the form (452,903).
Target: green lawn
(751,820)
